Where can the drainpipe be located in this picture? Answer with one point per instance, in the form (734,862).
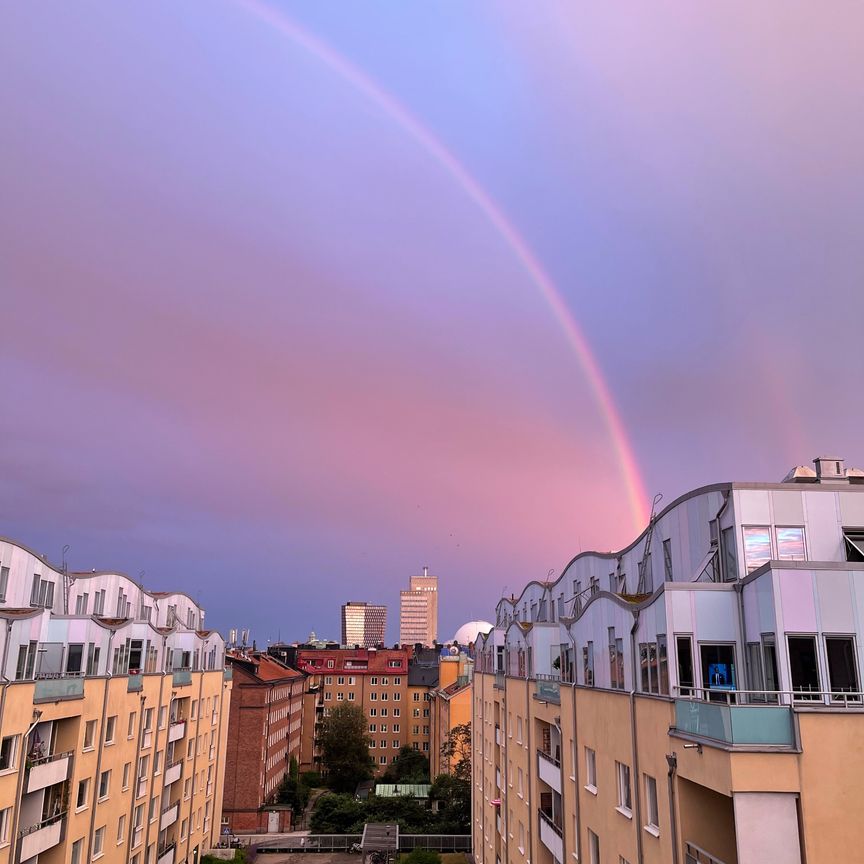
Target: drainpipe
(672,761)
(576,756)
(637,797)
(134,778)
(37,714)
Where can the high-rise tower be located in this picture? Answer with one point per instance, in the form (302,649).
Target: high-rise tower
(363,624)
(418,610)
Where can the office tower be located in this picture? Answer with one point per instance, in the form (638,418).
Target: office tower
(418,610)
(363,624)
(113,718)
(695,697)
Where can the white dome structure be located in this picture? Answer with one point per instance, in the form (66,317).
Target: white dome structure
(469,632)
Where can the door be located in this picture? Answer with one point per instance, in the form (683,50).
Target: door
(273,822)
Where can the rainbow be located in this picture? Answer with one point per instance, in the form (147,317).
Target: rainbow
(636,496)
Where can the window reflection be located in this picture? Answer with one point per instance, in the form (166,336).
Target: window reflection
(757,546)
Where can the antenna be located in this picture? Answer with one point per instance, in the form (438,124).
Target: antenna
(67,582)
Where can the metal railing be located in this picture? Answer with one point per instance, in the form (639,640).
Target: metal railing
(798,698)
(549,757)
(45,823)
(694,855)
(547,818)
(52,757)
(344,842)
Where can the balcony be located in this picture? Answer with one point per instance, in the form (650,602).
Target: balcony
(57,689)
(549,770)
(38,838)
(228,673)
(499,736)
(753,725)
(48,771)
(551,836)
(134,683)
(172,773)
(169,816)
(176,730)
(166,854)
(548,690)
(182,677)
(500,679)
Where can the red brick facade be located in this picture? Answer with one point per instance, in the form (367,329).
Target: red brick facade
(264,732)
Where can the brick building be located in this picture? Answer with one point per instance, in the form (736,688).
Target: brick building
(264,733)
(376,680)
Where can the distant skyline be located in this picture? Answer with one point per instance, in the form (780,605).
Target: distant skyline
(298,298)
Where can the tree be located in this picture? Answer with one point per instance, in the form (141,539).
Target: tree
(338,814)
(345,748)
(456,751)
(294,791)
(410,766)
(453,795)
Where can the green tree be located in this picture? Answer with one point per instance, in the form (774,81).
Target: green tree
(338,814)
(453,795)
(456,751)
(410,766)
(421,856)
(294,791)
(345,748)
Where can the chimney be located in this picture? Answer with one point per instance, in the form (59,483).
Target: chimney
(829,469)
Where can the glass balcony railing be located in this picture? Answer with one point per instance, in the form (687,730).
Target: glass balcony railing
(182,677)
(55,689)
(547,690)
(735,724)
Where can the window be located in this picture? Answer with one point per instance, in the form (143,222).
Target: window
(374,680)
(616,660)
(148,719)
(104,784)
(127,771)
(382,760)
(757,546)
(663,664)
(373,727)
(588,664)
(82,794)
(385,681)
(397,680)
(396,744)
(590,770)
(4,581)
(521,837)
(121,829)
(718,669)
(183,828)
(372,744)
(395,727)
(853,540)
(803,666)
(790,544)
(518,730)
(75,658)
(328,679)
(110,726)
(519,781)
(130,726)
(153,809)
(351,696)
(842,671)
(593,848)
(396,711)
(340,697)
(416,697)
(667,560)
(8,746)
(99,842)
(373,697)
(684,645)
(26,661)
(76,851)
(652,813)
(625,803)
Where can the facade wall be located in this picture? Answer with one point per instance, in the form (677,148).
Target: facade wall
(707,678)
(112,729)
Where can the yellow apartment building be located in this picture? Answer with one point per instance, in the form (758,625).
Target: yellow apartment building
(113,719)
(694,698)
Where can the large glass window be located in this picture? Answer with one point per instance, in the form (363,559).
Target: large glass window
(757,546)
(842,671)
(804,666)
(718,669)
(854,542)
(790,544)
(686,682)
(663,664)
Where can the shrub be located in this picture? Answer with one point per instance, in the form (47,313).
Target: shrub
(421,856)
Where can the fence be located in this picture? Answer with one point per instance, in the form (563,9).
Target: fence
(344,842)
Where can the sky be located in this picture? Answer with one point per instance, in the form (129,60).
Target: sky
(298,298)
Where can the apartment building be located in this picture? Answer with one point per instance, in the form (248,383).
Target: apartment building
(693,698)
(376,680)
(113,717)
(418,610)
(363,625)
(450,705)
(264,734)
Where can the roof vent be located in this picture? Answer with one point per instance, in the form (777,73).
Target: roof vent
(830,470)
(800,474)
